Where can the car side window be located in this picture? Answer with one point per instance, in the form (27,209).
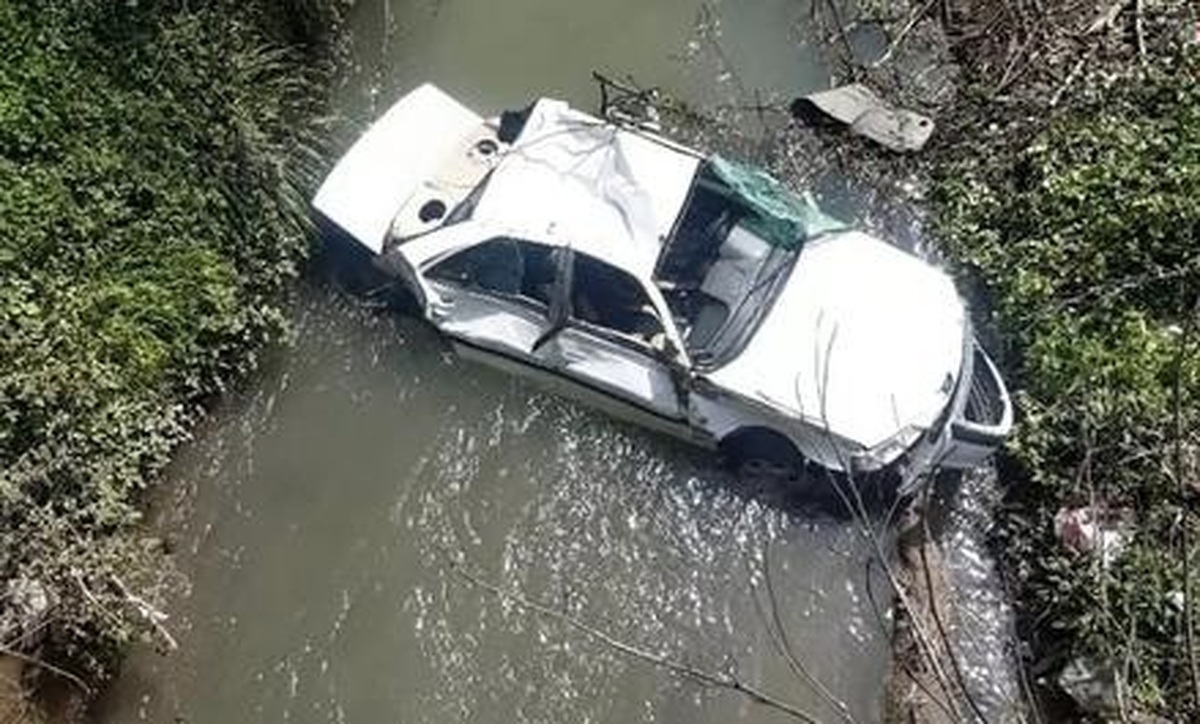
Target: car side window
(503,266)
(608,297)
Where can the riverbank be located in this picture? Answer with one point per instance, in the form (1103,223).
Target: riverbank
(1062,186)
(155,165)
(1067,195)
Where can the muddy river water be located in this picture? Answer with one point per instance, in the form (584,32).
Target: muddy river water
(325,516)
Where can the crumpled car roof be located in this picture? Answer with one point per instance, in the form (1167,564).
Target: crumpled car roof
(605,190)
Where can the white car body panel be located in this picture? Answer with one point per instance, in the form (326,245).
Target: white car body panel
(388,164)
(588,395)
(635,377)
(864,340)
(423,252)
(487,322)
(607,191)
(865,357)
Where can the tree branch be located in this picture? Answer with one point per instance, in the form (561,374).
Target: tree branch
(35,661)
(783,644)
(687,671)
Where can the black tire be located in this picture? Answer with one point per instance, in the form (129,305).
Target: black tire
(761,453)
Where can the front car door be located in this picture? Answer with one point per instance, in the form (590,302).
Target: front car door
(612,340)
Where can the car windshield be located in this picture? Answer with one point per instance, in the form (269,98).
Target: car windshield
(730,253)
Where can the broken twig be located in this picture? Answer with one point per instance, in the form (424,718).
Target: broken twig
(1139,29)
(903,34)
(1106,18)
(1074,75)
(151,614)
(723,681)
(57,671)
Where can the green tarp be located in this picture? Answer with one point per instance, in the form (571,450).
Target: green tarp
(781,217)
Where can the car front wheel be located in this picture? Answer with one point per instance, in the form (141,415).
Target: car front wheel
(761,453)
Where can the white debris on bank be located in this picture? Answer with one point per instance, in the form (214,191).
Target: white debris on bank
(26,601)
(1093,529)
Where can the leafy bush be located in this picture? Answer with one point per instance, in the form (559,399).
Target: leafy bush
(1086,242)
(155,161)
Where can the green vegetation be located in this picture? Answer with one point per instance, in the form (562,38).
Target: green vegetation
(1084,244)
(155,162)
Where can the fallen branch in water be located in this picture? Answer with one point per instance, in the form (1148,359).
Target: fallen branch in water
(852,498)
(152,615)
(783,644)
(687,671)
(935,613)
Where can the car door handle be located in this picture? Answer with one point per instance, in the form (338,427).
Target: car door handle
(440,309)
(556,356)
(546,336)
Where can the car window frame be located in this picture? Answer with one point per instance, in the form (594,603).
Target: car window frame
(542,308)
(623,339)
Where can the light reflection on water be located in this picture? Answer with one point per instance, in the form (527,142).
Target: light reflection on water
(494,55)
(317,517)
(317,514)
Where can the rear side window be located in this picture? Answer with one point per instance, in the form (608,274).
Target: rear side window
(502,266)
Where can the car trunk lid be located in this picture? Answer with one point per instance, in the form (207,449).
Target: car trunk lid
(392,162)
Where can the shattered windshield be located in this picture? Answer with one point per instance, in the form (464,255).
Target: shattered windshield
(777,215)
(729,255)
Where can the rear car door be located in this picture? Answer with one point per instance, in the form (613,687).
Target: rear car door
(493,298)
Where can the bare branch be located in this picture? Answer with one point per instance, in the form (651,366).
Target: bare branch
(1139,29)
(152,615)
(783,644)
(1074,74)
(955,665)
(1106,18)
(687,671)
(901,36)
(56,670)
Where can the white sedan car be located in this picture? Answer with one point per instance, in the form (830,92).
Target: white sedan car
(687,293)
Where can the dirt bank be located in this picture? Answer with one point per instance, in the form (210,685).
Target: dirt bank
(14,706)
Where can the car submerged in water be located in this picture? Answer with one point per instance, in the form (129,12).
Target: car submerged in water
(686,293)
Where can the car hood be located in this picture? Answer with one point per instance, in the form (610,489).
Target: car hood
(865,341)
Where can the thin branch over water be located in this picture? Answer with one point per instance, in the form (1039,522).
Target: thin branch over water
(679,668)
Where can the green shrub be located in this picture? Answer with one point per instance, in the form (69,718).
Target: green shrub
(1085,242)
(155,162)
